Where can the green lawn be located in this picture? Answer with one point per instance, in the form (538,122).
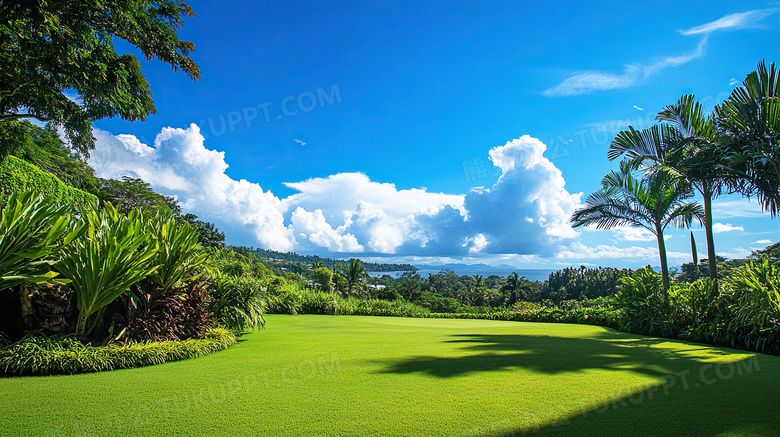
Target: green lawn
(328,375)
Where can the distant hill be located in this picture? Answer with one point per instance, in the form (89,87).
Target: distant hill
(296,261)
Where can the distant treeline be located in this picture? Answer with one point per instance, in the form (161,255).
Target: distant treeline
(295,262)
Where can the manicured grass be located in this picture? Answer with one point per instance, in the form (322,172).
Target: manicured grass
(348,375)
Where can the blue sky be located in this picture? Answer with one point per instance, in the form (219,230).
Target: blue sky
(465,131)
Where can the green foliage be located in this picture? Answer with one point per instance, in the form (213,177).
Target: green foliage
(14,135)
(179,256)
(17,175)
(284,297)
(581,283)
(324,277)
(294,261)
(355,276)
(115,254)
(54,47)
(37,354)
(232,261)
(32,229)
(771,252)
(750,123)
(48,152)
(755,290)
(132,193)
(237,303)
(208,234)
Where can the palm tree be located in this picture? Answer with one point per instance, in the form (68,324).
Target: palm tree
(750,123)
(355,275)
(652,203)
(685,145)
(517,286)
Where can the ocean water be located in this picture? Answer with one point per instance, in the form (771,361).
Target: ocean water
(540,275)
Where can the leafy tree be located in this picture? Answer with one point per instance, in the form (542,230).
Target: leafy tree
(131,193)
(581,283)
(409,286)
(324,277)
(14,135)
(43,148)
(476,291)
(652,203)
(208,234)
(750,123)
(53,49)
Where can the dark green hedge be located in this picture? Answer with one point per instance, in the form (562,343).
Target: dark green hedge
(42,355)
(17,175)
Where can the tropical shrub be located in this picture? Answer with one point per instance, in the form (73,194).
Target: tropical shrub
(32,229)
(114,255)
(284,297)
(237,303)
(755,291)
(179,256)
(640,295)
(179,315)
(319,302)
(37,354)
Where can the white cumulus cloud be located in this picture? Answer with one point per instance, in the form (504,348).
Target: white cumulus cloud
(180,165)
(526,212)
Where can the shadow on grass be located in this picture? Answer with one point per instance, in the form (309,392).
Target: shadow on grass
(694,396)
(551,355)
(708,400)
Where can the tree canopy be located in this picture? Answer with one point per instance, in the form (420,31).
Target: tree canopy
(60,65)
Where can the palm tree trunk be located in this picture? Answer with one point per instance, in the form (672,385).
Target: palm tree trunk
(664,265)
(712,263)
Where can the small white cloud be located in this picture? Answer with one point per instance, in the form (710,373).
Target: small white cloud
(299,141)
(720,228)
(736,21)
(736,208)
(638,108)
(763,242)
(627,233)
(736,253)
(734,81)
